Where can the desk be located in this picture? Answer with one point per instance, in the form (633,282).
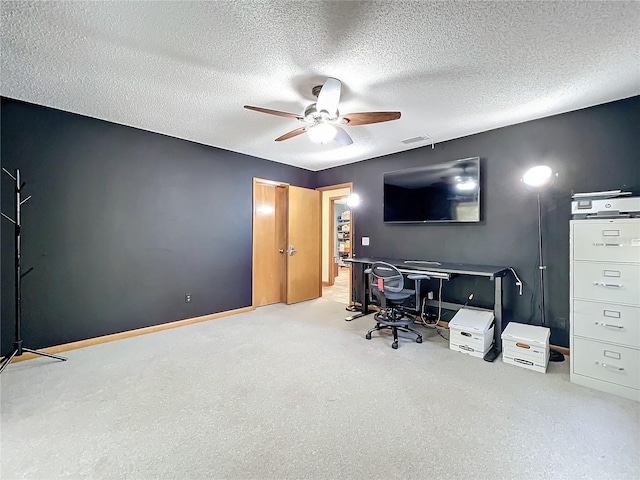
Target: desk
(436,270)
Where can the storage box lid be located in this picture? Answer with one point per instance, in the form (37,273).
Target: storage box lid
(529,333)
(469,319)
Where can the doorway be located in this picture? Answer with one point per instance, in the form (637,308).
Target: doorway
(337,241)
(286,243)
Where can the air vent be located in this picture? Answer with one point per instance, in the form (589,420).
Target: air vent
(414,139)
(420,138)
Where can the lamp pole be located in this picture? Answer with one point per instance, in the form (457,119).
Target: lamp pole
(541,266)
(539,179)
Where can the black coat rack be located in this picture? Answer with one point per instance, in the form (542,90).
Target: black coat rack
(18,348)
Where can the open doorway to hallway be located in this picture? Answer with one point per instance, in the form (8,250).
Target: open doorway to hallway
(337,234)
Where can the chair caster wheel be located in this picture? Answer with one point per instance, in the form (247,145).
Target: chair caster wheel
(394,345)
(419,340)
(368,336)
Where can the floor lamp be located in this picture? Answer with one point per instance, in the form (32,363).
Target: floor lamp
(539,179)
(353,201)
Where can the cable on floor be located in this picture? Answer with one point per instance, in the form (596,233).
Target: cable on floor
(434,326)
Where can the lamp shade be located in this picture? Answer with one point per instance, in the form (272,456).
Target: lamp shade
(538,177)
(353,200)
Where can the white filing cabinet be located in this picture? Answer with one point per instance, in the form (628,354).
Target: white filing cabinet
(605,305)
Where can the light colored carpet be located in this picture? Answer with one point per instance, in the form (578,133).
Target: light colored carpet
(297,392)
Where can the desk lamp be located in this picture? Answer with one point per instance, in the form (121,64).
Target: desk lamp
(538,180)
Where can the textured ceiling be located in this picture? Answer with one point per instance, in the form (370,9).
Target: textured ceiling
(186,69)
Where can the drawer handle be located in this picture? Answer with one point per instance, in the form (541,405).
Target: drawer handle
(612,285)
(608,245)
(605,365)
(609,325)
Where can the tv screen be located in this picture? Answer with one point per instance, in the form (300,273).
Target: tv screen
(442,192)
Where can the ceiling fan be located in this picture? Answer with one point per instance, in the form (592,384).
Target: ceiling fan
(324,122)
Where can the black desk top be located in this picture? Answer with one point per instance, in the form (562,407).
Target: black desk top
(433,266)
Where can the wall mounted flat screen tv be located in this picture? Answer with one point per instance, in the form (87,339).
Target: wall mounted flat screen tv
(442,192)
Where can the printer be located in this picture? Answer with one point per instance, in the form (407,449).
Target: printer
(609,204)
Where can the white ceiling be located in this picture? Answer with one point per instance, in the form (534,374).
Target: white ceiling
(186,69)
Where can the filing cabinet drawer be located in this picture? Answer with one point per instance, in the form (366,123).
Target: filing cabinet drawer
(610,363)
(613,283)
(607,241)
(607,322)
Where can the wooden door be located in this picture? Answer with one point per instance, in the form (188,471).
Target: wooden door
(303,245)
(269,243)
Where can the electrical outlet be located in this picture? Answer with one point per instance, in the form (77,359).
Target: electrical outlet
(187,298)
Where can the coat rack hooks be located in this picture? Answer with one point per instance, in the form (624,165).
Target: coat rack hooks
(8,173)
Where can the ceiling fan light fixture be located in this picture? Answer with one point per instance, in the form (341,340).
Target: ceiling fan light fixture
(466,184)
(322,133)
(323,119)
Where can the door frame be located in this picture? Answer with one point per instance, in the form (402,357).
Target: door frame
(338,186)
(332,228)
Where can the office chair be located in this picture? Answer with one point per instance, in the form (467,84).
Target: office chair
(387,284)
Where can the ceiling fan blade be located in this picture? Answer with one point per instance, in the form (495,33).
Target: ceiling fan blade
(274,112)
(342,137)
(329,96)
(370,117)
(291,134)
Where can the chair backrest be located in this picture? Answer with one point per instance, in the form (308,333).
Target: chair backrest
(387,276)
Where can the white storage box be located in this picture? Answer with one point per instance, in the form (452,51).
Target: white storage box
(471,331)
(526,346)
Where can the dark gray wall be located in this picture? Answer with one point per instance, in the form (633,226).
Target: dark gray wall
(592,149)
(123,223)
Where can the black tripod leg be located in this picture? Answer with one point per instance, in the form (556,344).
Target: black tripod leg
(7,360)
(45,354)
(492,354)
